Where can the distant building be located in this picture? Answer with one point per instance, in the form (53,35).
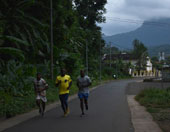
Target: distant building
(130,58)
(161,56)
(148,65)
(125,57)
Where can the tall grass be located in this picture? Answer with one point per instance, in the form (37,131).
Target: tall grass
(158,98)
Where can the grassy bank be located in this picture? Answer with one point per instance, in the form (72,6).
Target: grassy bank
(157,102)
(11,105)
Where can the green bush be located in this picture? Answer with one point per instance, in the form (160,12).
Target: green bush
(157,98)
(17,91)
(15,87)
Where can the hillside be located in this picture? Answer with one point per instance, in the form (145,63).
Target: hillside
(153,51)
(151,33)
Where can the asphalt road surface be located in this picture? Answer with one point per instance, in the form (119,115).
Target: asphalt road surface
(108,112)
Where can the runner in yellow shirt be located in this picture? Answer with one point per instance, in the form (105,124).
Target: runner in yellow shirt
(64,83)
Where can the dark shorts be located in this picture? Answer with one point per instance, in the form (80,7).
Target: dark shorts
(63,97)
(83,95)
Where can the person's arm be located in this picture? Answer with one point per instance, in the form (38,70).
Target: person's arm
(46,86)
(70,83)
(89,81)
(57,82)
(35,88)
(86,85)
(78,84)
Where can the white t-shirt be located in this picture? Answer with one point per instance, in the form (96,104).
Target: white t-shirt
(83,83)
(40,84)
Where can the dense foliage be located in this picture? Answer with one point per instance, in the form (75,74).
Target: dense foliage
(25,45)
(140,52)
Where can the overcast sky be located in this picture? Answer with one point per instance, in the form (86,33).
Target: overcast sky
(127,15)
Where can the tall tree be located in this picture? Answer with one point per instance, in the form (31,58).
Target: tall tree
(91,12)
(23,28)
(140,52)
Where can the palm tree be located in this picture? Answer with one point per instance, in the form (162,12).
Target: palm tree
(140,52)
(22,31)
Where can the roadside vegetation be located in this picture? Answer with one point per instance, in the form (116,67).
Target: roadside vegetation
(17,92)
(157,102)
(25,47)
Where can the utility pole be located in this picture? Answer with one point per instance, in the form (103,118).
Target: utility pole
(100,61)
(162,77)
(86,58)
(110,54)
(87,67)
(51,47)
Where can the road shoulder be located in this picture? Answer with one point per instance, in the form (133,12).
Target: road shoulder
(142,121)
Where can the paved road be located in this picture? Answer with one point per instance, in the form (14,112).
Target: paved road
(134,88)
(108,112)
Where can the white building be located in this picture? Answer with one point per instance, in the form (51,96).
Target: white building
(161,56)
(148,65)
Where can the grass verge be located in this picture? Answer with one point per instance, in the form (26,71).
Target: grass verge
(157,102)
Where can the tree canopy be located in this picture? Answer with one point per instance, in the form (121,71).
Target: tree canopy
(140,52)
(25,30)
(25,46)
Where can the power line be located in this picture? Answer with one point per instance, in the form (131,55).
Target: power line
(125,20)
(152,23)
(51,34)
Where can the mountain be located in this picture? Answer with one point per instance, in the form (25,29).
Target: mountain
(152,33)
(154,50)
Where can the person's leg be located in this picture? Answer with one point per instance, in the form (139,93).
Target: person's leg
(86,103)
(38,104)
(66,103)
(43,106)
(62,103)
(80,95)
(86,100)
(82,106)
(66,100)
(42,101)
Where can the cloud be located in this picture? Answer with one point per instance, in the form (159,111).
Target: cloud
(122,14)
(148,3)
(116,27)
(146,9)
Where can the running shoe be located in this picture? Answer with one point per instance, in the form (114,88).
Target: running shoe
(68,111)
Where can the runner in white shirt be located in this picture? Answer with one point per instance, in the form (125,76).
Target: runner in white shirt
(40,87)
(83,82)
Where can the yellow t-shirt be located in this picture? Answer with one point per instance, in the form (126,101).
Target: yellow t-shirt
(63,86)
